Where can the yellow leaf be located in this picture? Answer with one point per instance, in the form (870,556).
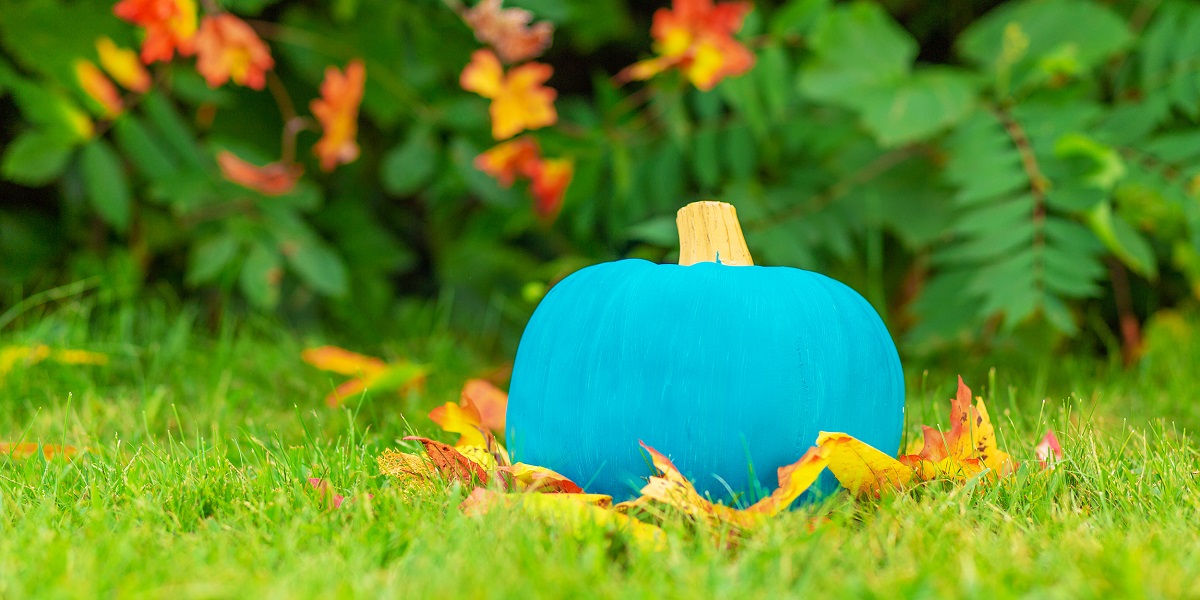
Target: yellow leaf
(575,513)
(532,478)
(670,487)
(860,468)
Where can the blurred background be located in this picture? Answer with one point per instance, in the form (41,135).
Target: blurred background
(992,176)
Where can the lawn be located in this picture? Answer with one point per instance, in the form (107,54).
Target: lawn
(200,443)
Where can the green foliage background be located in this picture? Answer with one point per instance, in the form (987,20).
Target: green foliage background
(981,171)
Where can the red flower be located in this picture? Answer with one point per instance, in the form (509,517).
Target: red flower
(274,179)
(170,26)
(696,37)
(550,180)
(508,160)
(337,110)
(548,177)
(227,48)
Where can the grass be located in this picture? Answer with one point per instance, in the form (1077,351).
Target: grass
(201,442)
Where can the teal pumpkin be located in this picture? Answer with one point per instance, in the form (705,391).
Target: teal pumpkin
(731,371)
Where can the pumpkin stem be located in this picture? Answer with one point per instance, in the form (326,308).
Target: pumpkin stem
(709,232)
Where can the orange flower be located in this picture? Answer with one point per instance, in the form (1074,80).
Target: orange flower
(550,180)
(549,177)
(519,100)
(227,48)
(337,110)
(123,66)
(508,160)
(274,179)
(170,26)
(697,38)
(508,30)
(98,88)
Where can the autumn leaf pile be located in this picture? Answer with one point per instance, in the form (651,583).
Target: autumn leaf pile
(478,462)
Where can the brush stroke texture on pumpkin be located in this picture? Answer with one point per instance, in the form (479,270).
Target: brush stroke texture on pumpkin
(670,487)
(574,513)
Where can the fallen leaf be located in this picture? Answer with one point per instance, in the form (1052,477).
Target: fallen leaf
(489,400)
(451,463)
(28,449)
(861,468)
(411,470)
(670,487)
(532,478)
(464,420)
(1048,451)
(971,435)
(576,513)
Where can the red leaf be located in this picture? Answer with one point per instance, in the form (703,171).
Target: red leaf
(451,463)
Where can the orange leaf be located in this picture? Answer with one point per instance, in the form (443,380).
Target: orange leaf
(227,48)
(123,65)
(540,479)
(337,111)
(170,26)
(506,161)
(971,435)
(489,400)
(670,487)
(508,30)
(520,101)
(451,463)
(272,179)
(345,362)
(860,468)
(27,449)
